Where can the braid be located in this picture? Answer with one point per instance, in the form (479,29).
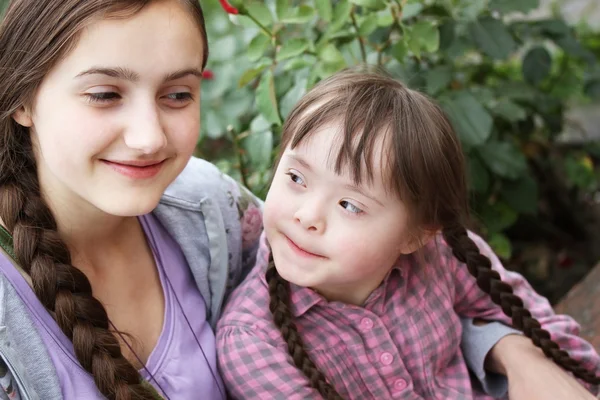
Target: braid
(63,289)
(501,293)
(279,306)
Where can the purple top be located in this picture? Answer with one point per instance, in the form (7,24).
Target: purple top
(183,363)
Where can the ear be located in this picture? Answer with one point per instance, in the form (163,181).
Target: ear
(23,117)
(418,240)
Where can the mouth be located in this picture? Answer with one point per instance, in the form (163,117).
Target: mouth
(301,251)
(136,169)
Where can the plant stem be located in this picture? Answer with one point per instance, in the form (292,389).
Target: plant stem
(363,52)
(238,153)
(263,28)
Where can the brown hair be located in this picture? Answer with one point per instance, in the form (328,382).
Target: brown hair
(426,170)
(34,36)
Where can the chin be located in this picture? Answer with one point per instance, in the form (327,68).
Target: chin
(130,206)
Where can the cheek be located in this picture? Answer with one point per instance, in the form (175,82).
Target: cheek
(183,129)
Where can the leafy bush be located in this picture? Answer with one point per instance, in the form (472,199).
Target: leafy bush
(503,80)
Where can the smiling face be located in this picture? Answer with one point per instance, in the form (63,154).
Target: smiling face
(325,231)
(118,118)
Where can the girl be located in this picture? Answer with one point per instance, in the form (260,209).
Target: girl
(370,262)
(118,248)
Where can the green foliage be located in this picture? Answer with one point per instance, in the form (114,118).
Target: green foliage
(502,81)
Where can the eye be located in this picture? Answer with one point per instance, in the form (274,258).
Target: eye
(102,97)
(346,205)
(295,178)
(180,96)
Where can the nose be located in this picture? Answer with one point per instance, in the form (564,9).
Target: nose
(145,132)
(311,217)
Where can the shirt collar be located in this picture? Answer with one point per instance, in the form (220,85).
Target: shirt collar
(303,299)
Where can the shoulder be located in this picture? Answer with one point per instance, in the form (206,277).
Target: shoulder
(248,304)
(199,180)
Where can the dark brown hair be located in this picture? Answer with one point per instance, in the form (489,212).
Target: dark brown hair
(425,169)
(34,36)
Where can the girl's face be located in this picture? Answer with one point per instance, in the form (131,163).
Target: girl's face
(327,233)
(117,120)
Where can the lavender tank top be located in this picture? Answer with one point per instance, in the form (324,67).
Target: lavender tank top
(183,363)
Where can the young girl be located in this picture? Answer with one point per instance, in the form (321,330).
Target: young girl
(371,264)
(117,247)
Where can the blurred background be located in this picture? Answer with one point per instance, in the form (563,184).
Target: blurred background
(520,80)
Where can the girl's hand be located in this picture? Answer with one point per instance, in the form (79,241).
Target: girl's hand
(531,375)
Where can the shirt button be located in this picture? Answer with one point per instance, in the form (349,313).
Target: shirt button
(386,358)
(400,384)
(366,323)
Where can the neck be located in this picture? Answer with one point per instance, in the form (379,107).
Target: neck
(90,233)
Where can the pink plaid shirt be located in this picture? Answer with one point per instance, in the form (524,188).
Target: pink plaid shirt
(403,343)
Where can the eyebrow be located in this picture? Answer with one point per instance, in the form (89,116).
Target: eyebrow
(129,75)
(348,186)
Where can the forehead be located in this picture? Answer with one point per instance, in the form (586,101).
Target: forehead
(160,38)
(323,150)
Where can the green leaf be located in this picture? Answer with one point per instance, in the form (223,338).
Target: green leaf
(292,48)
(522,194)
(498,216)
(509,6)
(501,245)
(504,159)
(592,89)
(324,9)
(553,28)
(580,171)
(466,10)
(438,78)
(572,47)
(373,4)
(257,47)
(341,14)
(479,177)
(298,63)
(517,91)
(283,8)
(367,25)
(508,110)
(291,98)
(299,15)
(447,34)
(399,50)
(249,76)
(260,124)
(492,37)
(427,35)
(470,119)
(385,19)
(213,124)
(266,99)
(414,45)
(411,10)
(536,65)
(331,55)
(258,146)
(260,11)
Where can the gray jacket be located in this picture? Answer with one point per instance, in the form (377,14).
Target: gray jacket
(202,210)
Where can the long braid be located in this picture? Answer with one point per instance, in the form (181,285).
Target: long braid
(282,316)
(501,293)
(63,289)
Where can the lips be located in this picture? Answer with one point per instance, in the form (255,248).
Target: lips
(300,250)
(136,169)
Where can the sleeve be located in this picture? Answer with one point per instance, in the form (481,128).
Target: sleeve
(477,341)
(8,387)
(470,301)
(250,212)
(253,368)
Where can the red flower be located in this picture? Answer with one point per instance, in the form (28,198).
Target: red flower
(228,7)
(208,74)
